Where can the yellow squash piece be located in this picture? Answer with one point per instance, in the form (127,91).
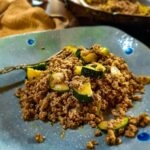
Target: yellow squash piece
(32,73)
(77,70)
(103,51)
(71,48)
(90,57)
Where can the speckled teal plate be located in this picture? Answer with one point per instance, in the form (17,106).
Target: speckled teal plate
(15,134)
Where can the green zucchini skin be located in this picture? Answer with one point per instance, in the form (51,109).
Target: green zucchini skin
(87,72)
(82,98)
(40,66)
(60,86)
(123,123)
(78,53)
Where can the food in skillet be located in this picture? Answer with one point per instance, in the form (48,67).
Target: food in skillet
(79,86)
(130,7)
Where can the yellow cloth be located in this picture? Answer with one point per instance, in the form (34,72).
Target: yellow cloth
(18,16)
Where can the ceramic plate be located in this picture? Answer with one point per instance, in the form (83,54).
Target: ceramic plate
(15,134)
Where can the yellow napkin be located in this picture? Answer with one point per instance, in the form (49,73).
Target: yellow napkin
(18,16)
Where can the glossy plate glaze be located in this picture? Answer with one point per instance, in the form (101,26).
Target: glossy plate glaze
(15,134)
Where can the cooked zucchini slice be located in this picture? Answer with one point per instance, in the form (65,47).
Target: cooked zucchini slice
(91,57)
(120,123)
(78,53)
(33,73)
(77,70)
(103,51)
(74,50)
(60,87)
(40,66)
(57,82)
(56,77)
(71,48)
(87,56)
(95,70)
(84,94)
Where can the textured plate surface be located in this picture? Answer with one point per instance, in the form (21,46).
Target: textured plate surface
(15,134)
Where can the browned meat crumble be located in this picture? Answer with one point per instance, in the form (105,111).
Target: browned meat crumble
(115,92)
(39,138)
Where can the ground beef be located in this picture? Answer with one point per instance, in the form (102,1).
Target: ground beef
(114,92)
(39,138)
(91,144)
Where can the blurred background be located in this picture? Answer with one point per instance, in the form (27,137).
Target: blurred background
(20,16)
(138,27)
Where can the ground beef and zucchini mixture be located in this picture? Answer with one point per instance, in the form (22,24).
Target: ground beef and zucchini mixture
(129,7)
(80,86)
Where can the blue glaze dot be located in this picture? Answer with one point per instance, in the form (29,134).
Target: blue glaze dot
(143,136)
(128,50)
(30,41)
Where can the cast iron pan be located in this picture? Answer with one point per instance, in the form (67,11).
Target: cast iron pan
(88,16)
